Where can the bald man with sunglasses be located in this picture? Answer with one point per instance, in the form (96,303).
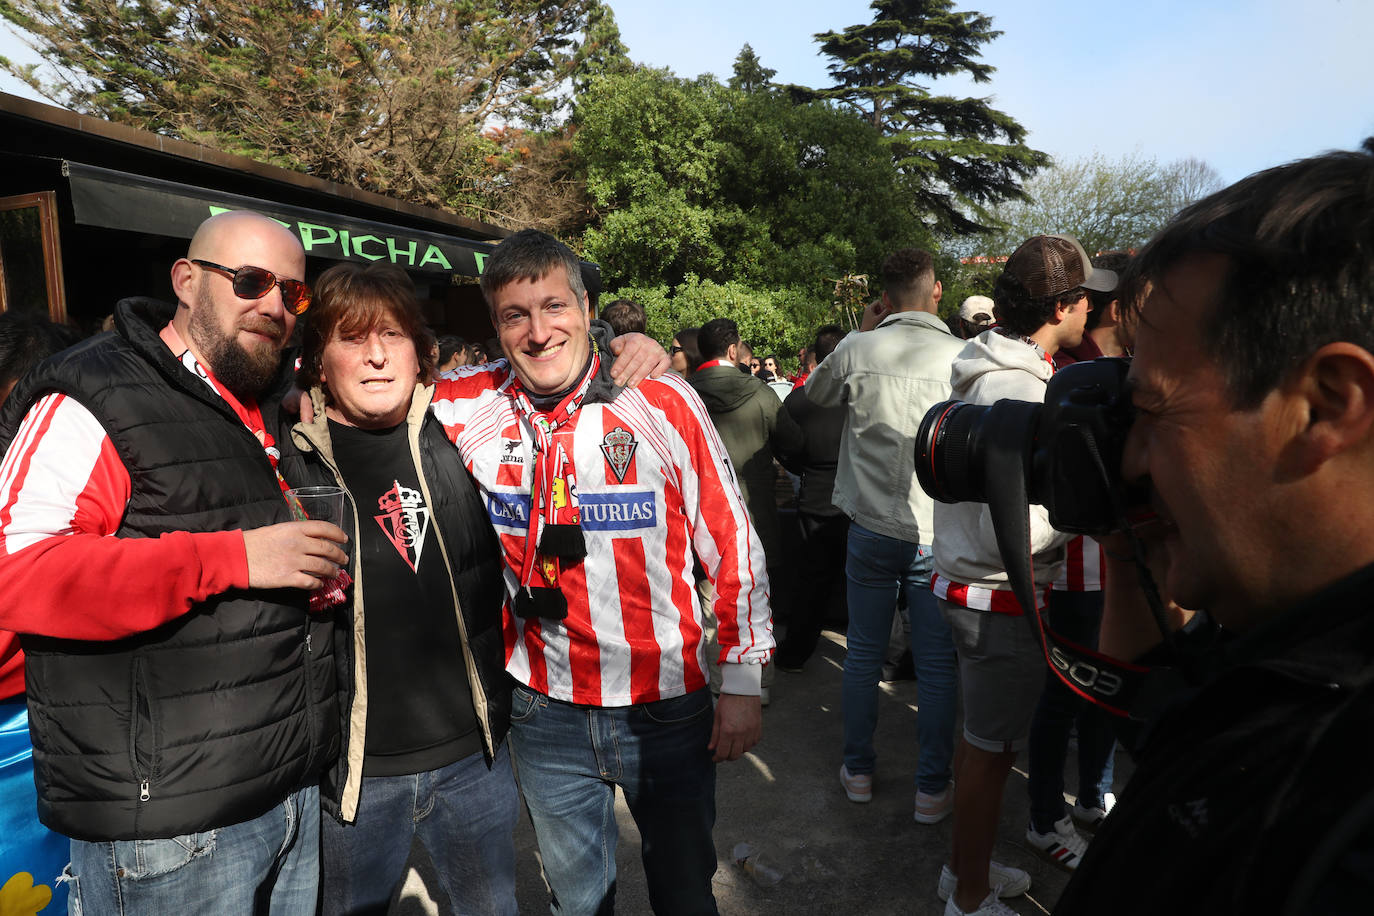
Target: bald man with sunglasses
(182,694)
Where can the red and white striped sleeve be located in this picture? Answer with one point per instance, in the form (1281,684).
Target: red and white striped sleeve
(63,493)
(724,540)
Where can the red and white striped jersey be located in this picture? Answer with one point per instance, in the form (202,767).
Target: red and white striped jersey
(63,492)
(1083,568)
(654,490)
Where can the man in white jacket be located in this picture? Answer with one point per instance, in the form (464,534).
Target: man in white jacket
(1042,304)
(887,378)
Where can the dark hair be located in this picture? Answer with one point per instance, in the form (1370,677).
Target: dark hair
(687,340)
(26,339)
(530,255)
(1299,239)
(450,344)
(828,337)
(715,337)
(625,316)
(908,277)
(355,298)
(1020,312)
(1116,262)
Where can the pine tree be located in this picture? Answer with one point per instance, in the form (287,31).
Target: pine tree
(389,97)
(750,73)
(960,154)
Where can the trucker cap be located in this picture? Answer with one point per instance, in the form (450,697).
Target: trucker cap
(1050,265)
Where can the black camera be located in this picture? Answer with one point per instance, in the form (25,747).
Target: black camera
(1070,447)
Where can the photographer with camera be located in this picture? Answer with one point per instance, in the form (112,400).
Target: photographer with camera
(1042,305)
(1253,388)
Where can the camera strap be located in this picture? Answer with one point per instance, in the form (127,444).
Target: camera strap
(1121,688)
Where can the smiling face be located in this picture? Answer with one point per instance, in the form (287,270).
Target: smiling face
(542,326)
(1212,467)
(370,374)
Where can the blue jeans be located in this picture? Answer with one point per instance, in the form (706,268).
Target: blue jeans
(570,759)
(463,813)
(1076,616)
(270,864)
(878,567)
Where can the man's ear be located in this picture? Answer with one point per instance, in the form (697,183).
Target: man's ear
(732,353)
(1337,384)
(184,281)
(937,292)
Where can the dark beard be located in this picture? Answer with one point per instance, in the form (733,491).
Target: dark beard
(243,373)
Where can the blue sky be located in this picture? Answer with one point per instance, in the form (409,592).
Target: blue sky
(1241,84)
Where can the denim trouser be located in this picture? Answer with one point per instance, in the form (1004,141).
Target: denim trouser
(1076,616)
(464,814)
(270,864)
(878,567)
(569,760)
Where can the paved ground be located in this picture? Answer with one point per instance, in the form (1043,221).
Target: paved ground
(785,799)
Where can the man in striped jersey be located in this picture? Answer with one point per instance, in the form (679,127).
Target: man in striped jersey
(1042,306)
(602,499)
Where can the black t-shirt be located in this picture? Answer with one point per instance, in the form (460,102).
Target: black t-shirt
(419,704)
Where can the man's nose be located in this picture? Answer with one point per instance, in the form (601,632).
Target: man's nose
(272,305)
(540,326)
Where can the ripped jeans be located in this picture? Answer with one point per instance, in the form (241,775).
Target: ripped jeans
(269,864)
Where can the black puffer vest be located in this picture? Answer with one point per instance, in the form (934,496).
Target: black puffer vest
(212,718)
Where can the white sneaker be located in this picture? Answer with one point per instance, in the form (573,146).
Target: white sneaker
(1003,879)
(1092,817)
(1063,845)
(858,787)
(931,809)
(990,906)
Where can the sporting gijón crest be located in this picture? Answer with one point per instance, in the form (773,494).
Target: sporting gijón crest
(405,519)
(619,448)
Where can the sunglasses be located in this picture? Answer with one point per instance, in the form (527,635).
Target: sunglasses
(256,282)
(674,349)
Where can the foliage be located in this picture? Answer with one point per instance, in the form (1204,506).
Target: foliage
(390,97)
(959,154)
(964,277)
(690,177)
(601,51)
(1109,204)
(781,320)
(536,184)
(750,73)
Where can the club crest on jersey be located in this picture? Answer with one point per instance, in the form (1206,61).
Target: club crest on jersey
(619,448)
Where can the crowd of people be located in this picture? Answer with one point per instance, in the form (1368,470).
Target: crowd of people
(561,574)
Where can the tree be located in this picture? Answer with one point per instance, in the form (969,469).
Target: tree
(1108,204)
(601,51)
(960,154)
(690,177)
(382,96)
(750,73)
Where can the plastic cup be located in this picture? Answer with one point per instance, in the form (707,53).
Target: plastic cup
(322,504)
